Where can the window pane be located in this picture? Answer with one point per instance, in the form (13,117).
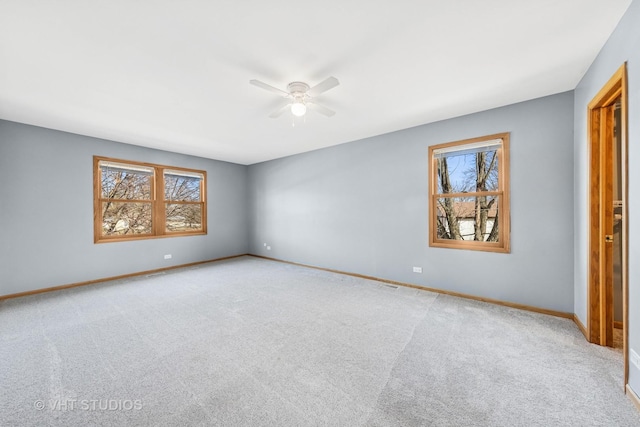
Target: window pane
(126,218)
(118,183)
(184,188)
(460,172)
(467,218)
(184,217)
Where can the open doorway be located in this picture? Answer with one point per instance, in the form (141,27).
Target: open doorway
(618,228)
(607,308)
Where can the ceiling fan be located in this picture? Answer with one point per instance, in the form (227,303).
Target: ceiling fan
(300,96)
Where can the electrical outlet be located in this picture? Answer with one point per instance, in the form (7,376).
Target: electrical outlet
(168,256)
(417,269)
(265,244)
(634,358)
(268,248)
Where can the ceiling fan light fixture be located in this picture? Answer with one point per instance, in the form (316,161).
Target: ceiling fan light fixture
(298,109)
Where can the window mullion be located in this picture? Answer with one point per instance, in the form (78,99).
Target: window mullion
(470,194)
(158,208)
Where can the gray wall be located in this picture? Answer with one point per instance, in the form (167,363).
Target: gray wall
(623,45)
(362,207)
(46,211)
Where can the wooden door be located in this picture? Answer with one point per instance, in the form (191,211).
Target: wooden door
(602,129)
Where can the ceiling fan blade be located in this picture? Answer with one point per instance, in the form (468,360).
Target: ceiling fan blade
(279,111)
(324,86)
(269,88)
(320,109)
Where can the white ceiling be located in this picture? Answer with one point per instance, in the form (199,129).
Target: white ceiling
(174,75)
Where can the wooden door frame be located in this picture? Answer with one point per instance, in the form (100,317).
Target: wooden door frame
(597,295)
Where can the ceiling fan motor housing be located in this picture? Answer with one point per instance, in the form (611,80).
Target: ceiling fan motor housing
(297,89)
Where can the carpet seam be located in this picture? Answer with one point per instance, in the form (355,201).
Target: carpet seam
(395,362)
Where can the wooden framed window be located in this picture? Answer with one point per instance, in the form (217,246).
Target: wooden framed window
(134,200)
(469,194)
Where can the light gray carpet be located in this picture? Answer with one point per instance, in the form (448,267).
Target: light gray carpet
(254,342)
